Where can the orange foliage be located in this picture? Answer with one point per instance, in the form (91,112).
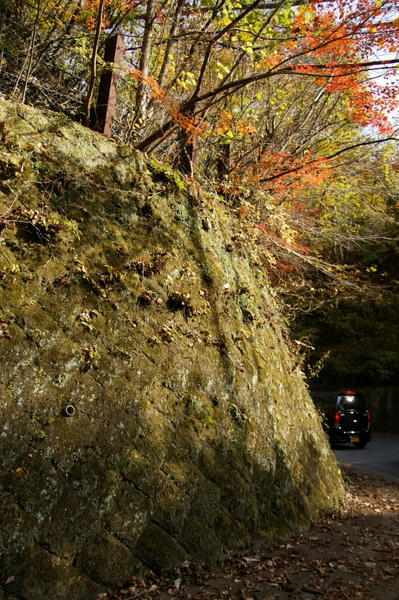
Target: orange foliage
(246,127)
(89,9)
(280,172)
(193,127)
(337,42)
(273,61)
(227,122)
(224,123)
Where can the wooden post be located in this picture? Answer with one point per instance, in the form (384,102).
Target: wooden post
(107,92)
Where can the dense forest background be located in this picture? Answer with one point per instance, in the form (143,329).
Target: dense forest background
(284,111)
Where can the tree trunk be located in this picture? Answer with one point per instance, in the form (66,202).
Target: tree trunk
(93,63)
(223,161)
(185,161)
(144,66)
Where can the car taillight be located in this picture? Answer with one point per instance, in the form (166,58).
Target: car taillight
(368,416)
(337,417)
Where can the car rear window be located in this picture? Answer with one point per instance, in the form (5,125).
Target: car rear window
(352,401)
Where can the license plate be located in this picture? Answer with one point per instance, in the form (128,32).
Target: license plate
(354,439)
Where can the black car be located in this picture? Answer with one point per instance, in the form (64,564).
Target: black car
(346,417)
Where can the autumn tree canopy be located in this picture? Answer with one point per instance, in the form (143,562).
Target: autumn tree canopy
(213,68)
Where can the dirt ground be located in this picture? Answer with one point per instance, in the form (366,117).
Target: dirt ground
(353,553)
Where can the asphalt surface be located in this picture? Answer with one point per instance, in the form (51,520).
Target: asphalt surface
(380,455)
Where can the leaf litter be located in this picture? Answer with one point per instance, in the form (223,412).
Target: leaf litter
(350,554)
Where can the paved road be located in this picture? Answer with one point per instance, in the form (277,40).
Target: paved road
(381,454)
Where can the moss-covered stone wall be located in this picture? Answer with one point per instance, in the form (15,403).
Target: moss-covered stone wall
(151,409)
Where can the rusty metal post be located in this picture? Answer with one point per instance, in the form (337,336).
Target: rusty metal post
(107,92)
